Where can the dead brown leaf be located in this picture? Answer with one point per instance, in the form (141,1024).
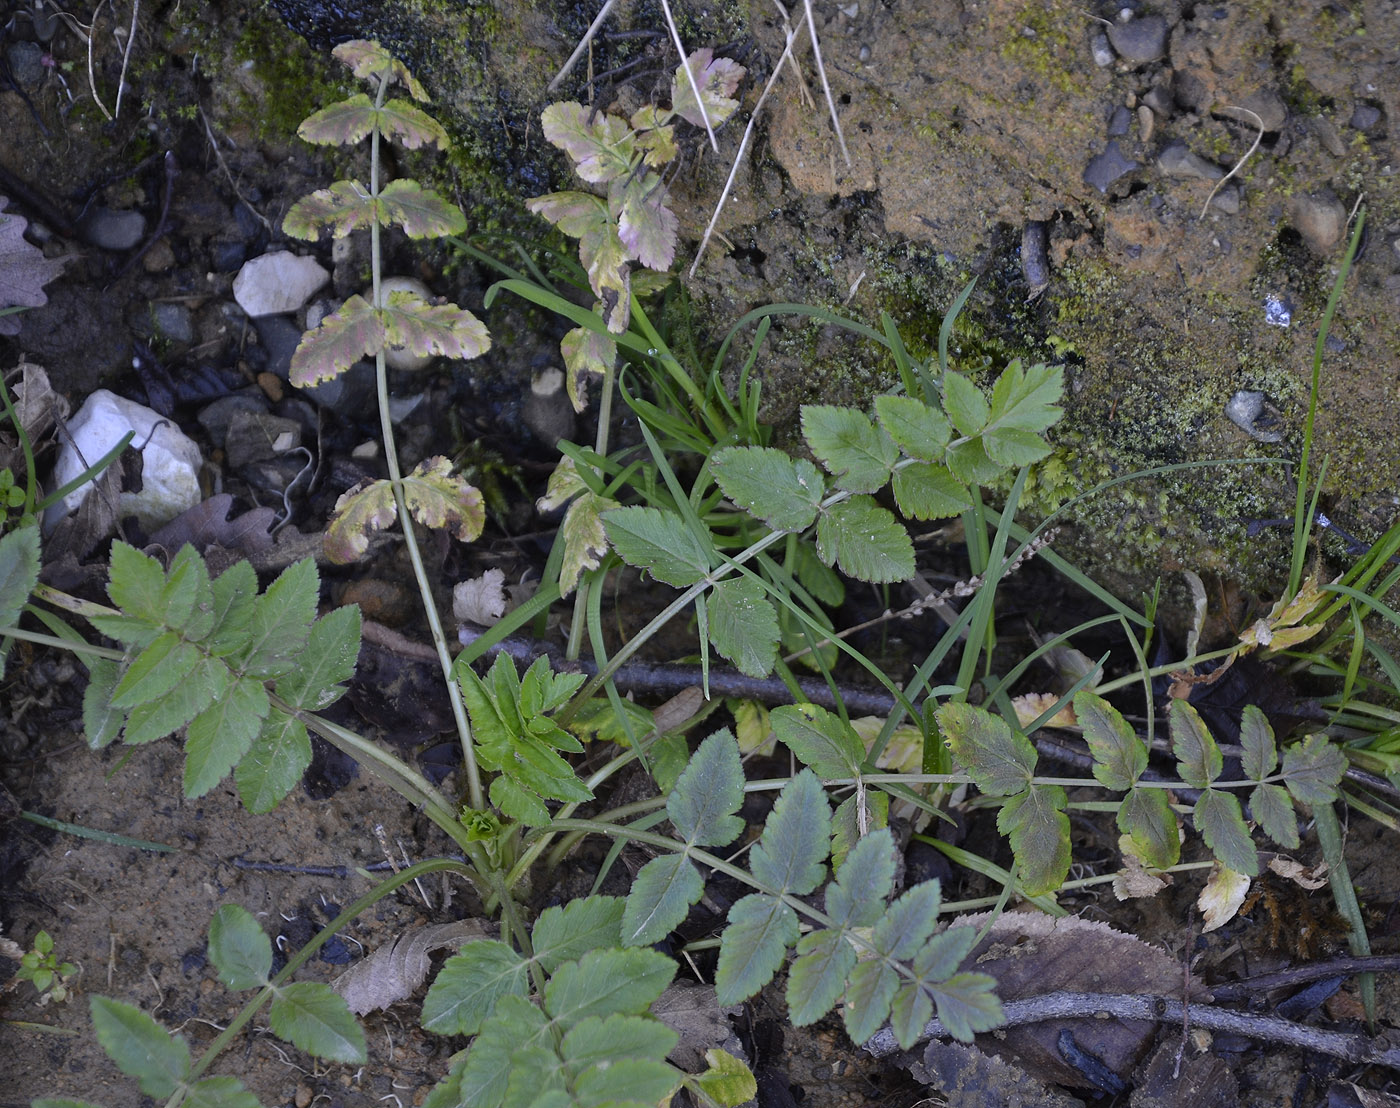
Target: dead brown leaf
(397,968)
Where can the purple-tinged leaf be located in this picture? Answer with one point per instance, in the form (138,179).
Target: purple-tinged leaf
(341,124)
(440,499)
(600,145)
(442,330)
(359,512)
(716,78)
(343,207)
(1313,769)
(1000,761)
(646,226)
(422,213)
(367,58)
(411,127)
(24,271)
(345,336)
(575,213)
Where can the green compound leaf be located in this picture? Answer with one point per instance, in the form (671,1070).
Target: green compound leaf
(645,226)
(466,989)
(716,78)
(239,948)
(858,454)
(600,1041)
(728,1081)
(220,1092)
(940,957)
(661,897)
(233,599)
(141,1048)
(443,501)
(1198,758)
(785,493)
(968,1005)
(789,854)
(578,214)
(911,1008)
(437,330)
(846,828)
(272,768)
(281,622)
(19,573)
(359,512)
(869,992)
(422,213)
(157,669)
(918,430)
(1000,761)
(965,404)
(340,208)
(925,490)
(752,947)
(1313,769)
(1038,828)
(567,933)
(600,145)
(223,734)
(341,124)
(968,460)
(864,882)
(1024,399)
(659,542)
(208,682)
(1221,824)
(136,585)
(315,1019)
(515,1025)
(607,982)
(744,626)
(909,921)
(409,126)
(189,578)
(332,649)
(622,1083)
(866,541)
(351,332)
(818,975)
(101,722)
(1272,809)
(1119,755)
(709,792)
(1147,818)
(821,740)
(367,58)
(1257,738)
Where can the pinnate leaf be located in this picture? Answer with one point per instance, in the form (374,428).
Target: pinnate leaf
(281,621)
(341,124)
(422,213)
(157,669)
(659,542)
(585,351)
(607,982)
(440,330)
(332,649)
(821,740)
(870,989)
(1198,757)
(1273,811)
(968,1005)
(928,491)
(716,79)
(789,854)
(661,897)
(602,1040)
(752,947)
(207,682)
(857,453)
(646,225)
(409,126)
(1038,828)
(709,792)
(783,492)
(340,208)
(239,948)
(136,584)
(866,541)
(1000,761)
(220,1092)
(919,430)
(353,331)
(359,512)
(367,58)
(272,768)
(818,975)
(743,625)
(965,404)
(223,734)
(1221,824)
(856,898)
(439,499)
(314,1018)
(600,145)
(1257,738)
(908,922)
(1119,755)
(141,1048)
(1025,398)
(19,573)
(466,989)
(585,538)
(1313,769)
(567,933)
(1147,818)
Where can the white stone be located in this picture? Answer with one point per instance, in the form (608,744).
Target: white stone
(170,460)
(399,357)
(278,282)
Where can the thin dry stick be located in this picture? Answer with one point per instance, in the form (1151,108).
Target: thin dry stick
(233,184)
(689,76)
(92,80)
(826,88)
(1239,164)
(739,157)
(126,56)
(582,45)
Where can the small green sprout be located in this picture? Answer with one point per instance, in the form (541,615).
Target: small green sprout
(41,966)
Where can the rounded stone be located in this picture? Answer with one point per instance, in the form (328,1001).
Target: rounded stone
(276,283)
(1139,40)
(1321,220)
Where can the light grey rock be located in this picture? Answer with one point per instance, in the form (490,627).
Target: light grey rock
(1103,169)
(174,321)
(112,229)
(547,410)
(216,416)
(276,283)
(1102,51)
(170,460)
(257,436)
(1320,219)
(1176,160)
(1252,413)
(1139,40)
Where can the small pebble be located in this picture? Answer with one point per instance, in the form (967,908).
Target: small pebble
(174,321)
(1251,412)
(547,410)
(1103,169)
(278,337)
(109,229)
(1178,161)
(1268,105)
(1227,200)
(227,256)
(1035,265)
(1160,99)
(1327,135)
(271,386)
(1139,40)
(26,60)
(1278,310)
(1365,116)
(1320,219)
(1102,51)
(160,258)
(1146,122)
(1120,121)
(277,283)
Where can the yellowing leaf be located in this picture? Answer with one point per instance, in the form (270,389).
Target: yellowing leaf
(342,124)
(443,330)
(422,213)
(343,207)
(716,78)
(564,483)
(440,499)
(599,144)
(1280,629)
(646,226)
(575,213)
(359,512)
(585,351)
(367,58)
(1030,706)
(585,541)
(1135,880)
(1220,900)
(352,332)
(411,127)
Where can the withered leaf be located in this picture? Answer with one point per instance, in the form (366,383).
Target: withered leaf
(24,271)
(397,968)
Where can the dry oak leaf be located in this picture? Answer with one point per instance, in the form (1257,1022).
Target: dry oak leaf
(24,271)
